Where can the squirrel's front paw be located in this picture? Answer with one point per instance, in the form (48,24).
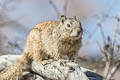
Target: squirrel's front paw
(63,62)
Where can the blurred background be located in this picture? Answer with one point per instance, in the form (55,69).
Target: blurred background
(100,21)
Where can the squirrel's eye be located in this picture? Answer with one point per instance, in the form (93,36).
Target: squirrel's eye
(68,25)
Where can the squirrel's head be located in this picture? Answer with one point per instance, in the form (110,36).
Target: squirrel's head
(71,28)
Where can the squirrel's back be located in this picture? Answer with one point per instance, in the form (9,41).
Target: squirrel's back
(47,24)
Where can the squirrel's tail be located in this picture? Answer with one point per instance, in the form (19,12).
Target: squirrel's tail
(15,71)
(12,73)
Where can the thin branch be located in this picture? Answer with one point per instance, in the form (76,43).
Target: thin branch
(102,33)
(55,8)
(113,71)
(92,33)
(106,69)
(65,7)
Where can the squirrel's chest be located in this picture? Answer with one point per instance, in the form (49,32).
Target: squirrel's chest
(66,47)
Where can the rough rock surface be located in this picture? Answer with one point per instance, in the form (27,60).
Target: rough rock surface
(52,70)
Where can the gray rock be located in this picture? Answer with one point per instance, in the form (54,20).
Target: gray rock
(51,70)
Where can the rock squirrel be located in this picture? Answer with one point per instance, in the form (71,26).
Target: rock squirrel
(53,38)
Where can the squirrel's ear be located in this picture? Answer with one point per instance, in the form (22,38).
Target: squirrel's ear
(63,18)
(75,17)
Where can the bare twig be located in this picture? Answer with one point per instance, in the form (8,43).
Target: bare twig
(102,32)
(92,33)
(108,49)
(106,69)
(104,53)
(55,8)
(65,7)
(114,69)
